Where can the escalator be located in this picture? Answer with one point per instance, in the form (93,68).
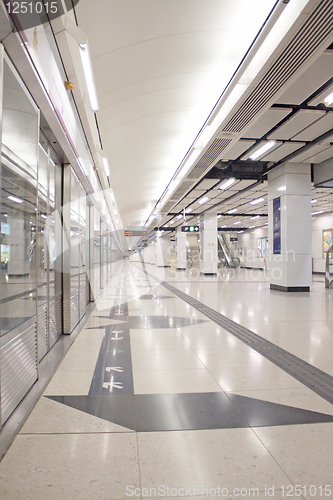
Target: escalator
(225,254)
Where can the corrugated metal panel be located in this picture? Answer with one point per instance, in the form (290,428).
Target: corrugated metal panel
(83,299)
(74,308)
(55,319)
(18,369)
(42,333)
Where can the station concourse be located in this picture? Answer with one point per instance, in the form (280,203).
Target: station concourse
(166,249)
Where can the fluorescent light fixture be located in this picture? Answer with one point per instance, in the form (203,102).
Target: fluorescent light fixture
(188,210)
(237,222)
(106,167)
(255,217)
(232,211)
(179,217)
(266,223)
(222,227)
(171,222)
(88,73)
(313,201)
(258,200)
(115,212)
(166,225)
(319,212)
(328,99)
(227,184)
(239,232)
(251,227)
(262,150)
(13,198)
(43,216)
(219,216)
(203,200)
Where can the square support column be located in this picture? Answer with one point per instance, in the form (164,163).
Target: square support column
(208,240)
(181,259)
(289,228)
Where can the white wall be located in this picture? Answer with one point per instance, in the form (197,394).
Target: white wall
(319,223)
(248,241)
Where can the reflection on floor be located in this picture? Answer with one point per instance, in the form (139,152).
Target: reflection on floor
(155,399)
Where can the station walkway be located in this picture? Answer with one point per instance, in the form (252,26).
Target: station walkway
(156,399)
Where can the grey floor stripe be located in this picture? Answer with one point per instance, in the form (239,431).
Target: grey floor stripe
(317,380)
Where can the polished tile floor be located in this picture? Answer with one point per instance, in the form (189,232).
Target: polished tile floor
(155,400)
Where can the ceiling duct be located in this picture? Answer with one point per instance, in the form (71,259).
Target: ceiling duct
(210,156)
(312,34)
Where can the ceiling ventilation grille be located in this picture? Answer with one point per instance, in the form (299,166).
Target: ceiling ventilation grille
(181,190)
(314,31)
(211,155)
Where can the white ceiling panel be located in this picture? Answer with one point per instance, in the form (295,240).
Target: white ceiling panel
(321,97)
(285,149)
(207,184)
(324,155)
(316,129)
(296,123)
(306,156)
(266,122)
(237,149)
(318,74)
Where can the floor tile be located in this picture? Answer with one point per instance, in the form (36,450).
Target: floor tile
(173,381)
(227,458)
(64,467)
(304,452)
(51,417)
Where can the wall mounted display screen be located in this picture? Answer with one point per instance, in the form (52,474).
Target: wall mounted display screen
(277,226)
(327,241)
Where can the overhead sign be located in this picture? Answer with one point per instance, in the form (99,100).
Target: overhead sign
(190,229)
(135,233)
(233,238)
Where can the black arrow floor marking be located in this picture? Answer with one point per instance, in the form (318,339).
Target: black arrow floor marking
(179,412)
(152,321)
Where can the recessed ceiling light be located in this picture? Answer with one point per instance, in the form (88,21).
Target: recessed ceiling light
(188,210)
(255,217)
(13,198)
(250,227)
(232,211)
(313,201)
(263,149)
(166,225)
(203,200)
(179,216)
(171,222)
(219,216)
(319,212)
(227,184)
(258,200)
(237,222)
